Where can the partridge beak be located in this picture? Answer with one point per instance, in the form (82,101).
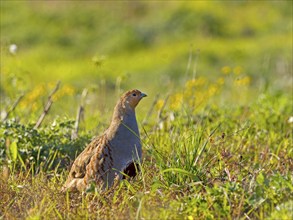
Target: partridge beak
(143,95)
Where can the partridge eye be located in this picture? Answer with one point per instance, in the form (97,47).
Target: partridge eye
(133,94)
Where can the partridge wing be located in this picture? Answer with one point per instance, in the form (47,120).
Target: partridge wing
(79,167)
(100,164)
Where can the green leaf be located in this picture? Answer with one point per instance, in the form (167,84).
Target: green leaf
(21,161)
(260,178)
(13,151)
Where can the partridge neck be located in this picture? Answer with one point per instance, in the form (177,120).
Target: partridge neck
(123,119)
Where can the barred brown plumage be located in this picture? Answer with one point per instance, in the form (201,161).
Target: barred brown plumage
(108,156)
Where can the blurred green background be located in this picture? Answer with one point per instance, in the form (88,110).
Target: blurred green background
(218,141)
(112,46)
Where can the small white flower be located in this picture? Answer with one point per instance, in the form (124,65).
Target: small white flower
(172,116)
(3,114)
(290,120)
(13,49)
(161,125)
(278,208)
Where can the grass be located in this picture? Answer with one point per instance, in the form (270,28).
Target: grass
(220,163)
(217,139)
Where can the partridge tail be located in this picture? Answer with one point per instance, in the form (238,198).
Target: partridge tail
(76,184)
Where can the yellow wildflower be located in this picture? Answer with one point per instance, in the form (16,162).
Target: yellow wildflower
(221,81)
(200,98)
(226,70)
(65,90)
(37,92)
(159,104)
(212,90)
(238,70)
(190,217)
(176,101)
(245,81)
(68,90)
(195,83)
(32,96)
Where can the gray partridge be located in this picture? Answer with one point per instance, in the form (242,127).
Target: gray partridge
(113,154)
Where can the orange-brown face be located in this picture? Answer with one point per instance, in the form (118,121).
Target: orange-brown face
(133,97)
